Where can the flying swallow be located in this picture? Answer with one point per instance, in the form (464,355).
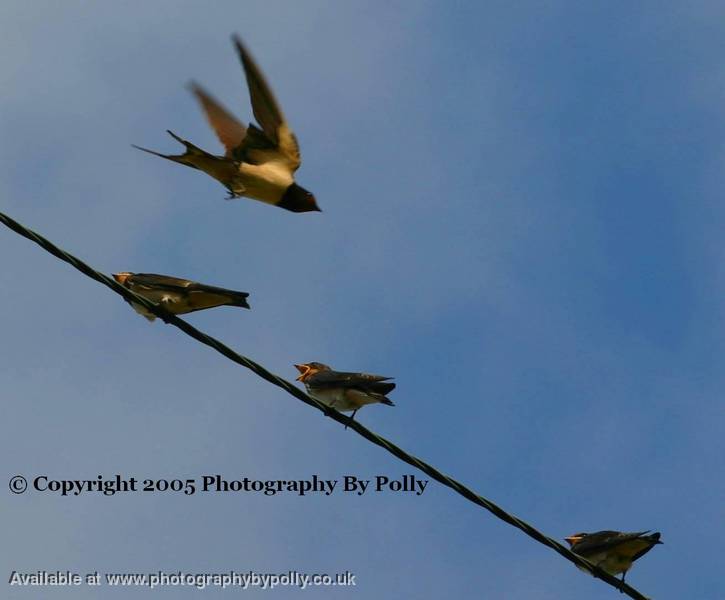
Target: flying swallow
(178,296)
(259,162)
(613,551)
(344,391)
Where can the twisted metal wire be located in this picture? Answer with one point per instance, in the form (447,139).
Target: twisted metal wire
(259,370)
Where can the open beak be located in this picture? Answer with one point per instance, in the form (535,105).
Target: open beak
(121,277)
(303,371)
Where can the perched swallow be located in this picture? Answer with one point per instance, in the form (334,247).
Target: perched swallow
(613,551)
(178,296)
(259,163)
(344,391)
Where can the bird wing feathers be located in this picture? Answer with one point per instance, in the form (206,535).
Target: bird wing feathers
(607,540)
(361,381)
(185,286)
(268,113)
(152,280)
(228,129)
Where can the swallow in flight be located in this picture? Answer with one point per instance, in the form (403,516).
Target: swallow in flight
(259,162)
(344,391)
(178,296)
(613,551)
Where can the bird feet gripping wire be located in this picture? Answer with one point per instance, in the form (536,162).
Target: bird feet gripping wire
(352,417)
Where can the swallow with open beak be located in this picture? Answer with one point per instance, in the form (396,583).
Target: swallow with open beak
(178,296)
(259,162)
(344,391)
(613,551)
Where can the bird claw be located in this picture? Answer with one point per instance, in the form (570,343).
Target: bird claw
(352,418)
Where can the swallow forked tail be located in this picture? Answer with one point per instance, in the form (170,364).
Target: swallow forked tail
(224,297)
(239,299)
(652,537)
(385,388)
(187,158)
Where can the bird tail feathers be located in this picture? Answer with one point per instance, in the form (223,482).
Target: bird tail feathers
(188,158)
(654,538)
(239,299)
(381,387)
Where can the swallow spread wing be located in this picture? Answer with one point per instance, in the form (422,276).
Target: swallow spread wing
(178,296)
(613,551)
(259,162)
(344,391)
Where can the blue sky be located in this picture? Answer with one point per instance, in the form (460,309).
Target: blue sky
(522,223)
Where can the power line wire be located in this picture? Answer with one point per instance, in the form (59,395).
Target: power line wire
(340,418)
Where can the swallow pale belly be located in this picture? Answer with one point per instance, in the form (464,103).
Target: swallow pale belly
(611,562)
(343,399)
(143,312)
(266,182)
(171,302)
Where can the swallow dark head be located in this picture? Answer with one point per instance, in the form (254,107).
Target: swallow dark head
(298,199)
(309,369)
(122,277)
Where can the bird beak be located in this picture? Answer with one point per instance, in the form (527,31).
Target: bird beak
(302,369)
(120,277)
(573,539)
